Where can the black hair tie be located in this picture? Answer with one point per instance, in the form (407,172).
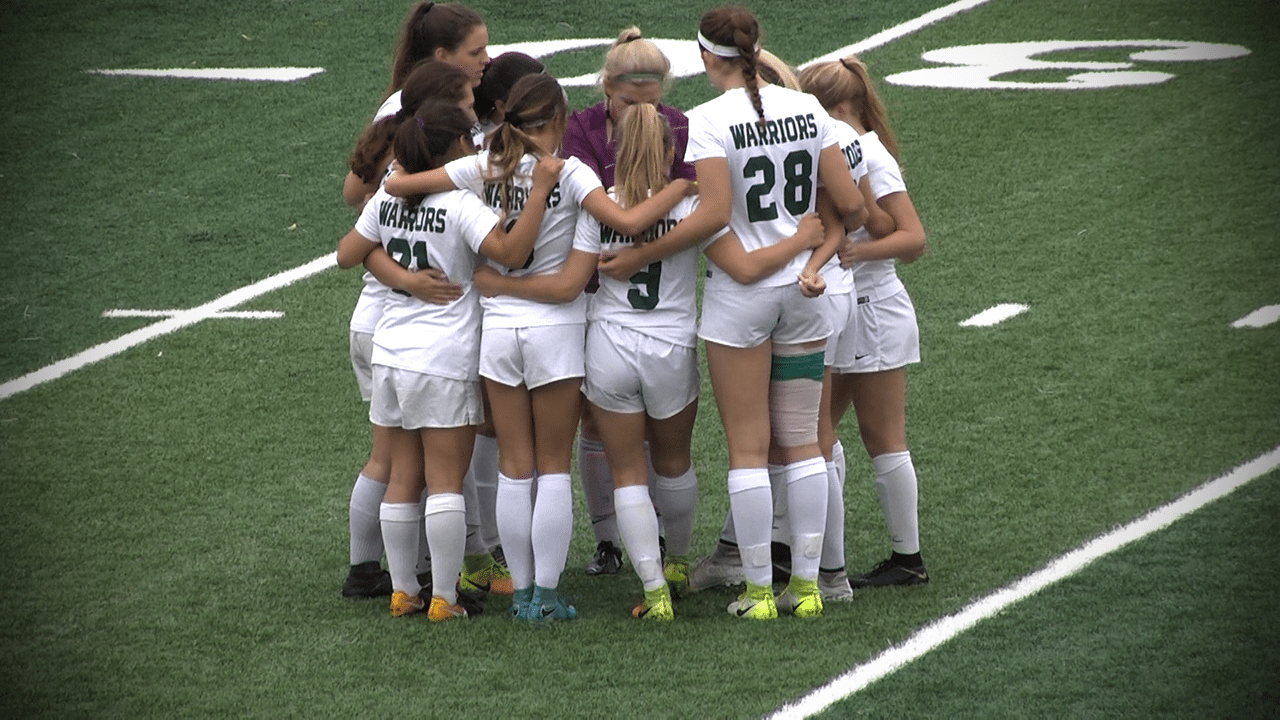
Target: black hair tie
(514,120)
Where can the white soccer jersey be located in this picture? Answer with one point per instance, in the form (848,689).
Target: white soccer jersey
(838,279)
(556,235)
(659,300)
(773,169)
(886,179)
(444,232)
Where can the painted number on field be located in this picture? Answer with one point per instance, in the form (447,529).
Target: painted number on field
(977,67)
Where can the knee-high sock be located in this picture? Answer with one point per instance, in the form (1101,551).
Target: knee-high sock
(807,508)
(552,527)
(597,488)
(676,499)
(751,502)
(446,529)
(475,542)
(362,519)
(515,527)
(424,550)
(833,534)
(898,491)
(484,469)
(401,527)
(638,527)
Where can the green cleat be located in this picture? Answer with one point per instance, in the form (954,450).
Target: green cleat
(756,603)
(676,571)
(802,598)
(656,605)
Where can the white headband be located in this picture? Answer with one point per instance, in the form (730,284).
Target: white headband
(723,51)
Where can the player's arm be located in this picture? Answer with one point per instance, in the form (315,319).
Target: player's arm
(906,242)
(708,218)
(402,184)
(562,286)
(635,220)
(746,267)
(512,248)
(844,192)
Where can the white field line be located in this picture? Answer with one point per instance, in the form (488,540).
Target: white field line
(944,629)
(994,315)
(885,37)
(275,74)
(1261,317)
(178,321)
(238,314)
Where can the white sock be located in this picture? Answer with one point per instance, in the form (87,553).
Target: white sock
(677,500)
(446,525)
(362,519)
(638,526)
(751,502)
(807,500)
(472,500)
(515,527)
(898,491)
(833,533)
(484,471)
(552,527)
(778,486)
(401,526)
(597,488)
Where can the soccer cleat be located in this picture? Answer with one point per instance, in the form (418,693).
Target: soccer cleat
(499,556)
(676,571)
(721,567)
(801,598)
(482,573)
(471,600)
(367,580)
(548,605)
(606,561)
(441,610)
(834,585)
(405,604)
(655,606)
(756,603)
(890,573)
(521,600)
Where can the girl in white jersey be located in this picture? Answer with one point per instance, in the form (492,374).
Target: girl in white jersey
(425,358)
(887,336)
(759,151)
(532,358)
(369,159)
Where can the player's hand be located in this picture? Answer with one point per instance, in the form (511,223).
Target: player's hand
(432,286)
(622,264)
(485,279)
(546,172)
(812,284)
(848,253)
(810,230)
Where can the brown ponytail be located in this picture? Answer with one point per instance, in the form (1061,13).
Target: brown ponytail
(429,26)
(534,101)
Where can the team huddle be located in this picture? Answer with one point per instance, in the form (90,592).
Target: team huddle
(531,285)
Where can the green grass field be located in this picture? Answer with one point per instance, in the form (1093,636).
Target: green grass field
(174,515)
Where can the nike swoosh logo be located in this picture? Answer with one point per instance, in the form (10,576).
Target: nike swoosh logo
(743,610)
(859,357)
(548,611)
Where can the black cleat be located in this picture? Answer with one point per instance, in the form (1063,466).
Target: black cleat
(606,561)
(890,573)
(367,580)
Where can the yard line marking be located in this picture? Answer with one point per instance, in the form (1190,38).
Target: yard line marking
(884,37)
(944,629)
(276,74)
(1261,317)
(238,314)
(181,319)
(995,315)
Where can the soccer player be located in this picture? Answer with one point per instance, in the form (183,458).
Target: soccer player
(635,72)
(759,151)
(888,336)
